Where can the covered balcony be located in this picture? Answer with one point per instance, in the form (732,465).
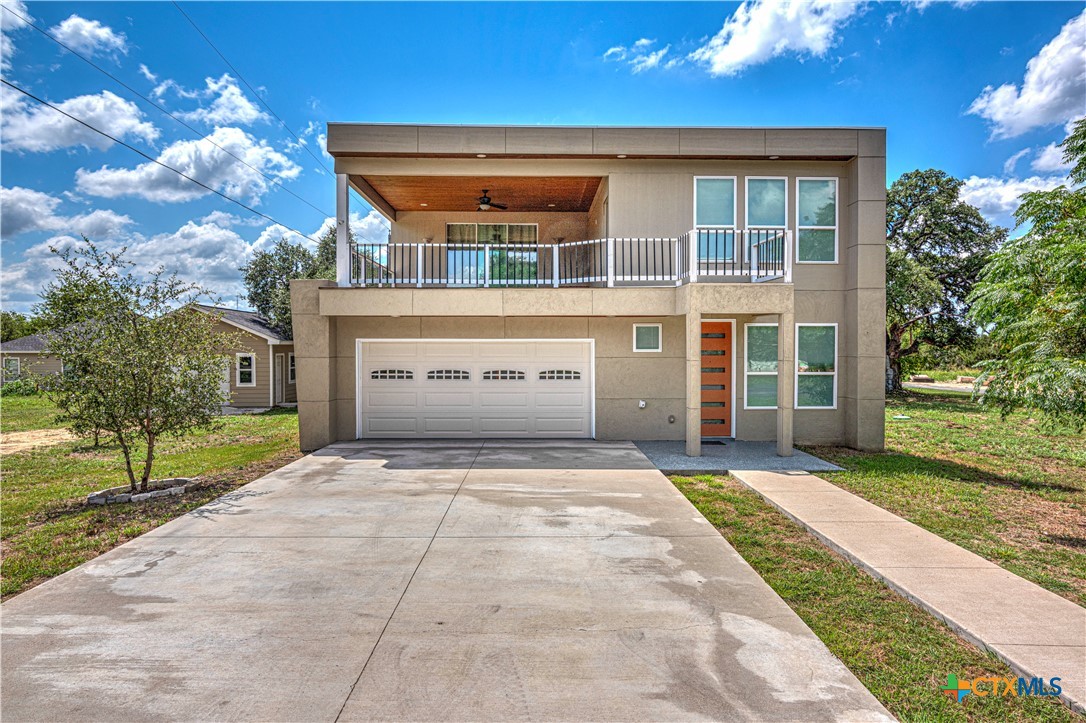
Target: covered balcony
(549,232)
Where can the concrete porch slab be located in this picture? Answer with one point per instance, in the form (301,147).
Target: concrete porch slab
(721,457)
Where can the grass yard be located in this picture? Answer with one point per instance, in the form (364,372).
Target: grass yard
(951,375)
(899,652)
(1008,490)
(45,527)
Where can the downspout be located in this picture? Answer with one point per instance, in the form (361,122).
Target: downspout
(271,374)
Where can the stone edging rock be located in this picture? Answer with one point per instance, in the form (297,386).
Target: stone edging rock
(155,488)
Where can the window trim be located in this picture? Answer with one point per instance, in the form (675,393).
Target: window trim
(746,201)
(659,336)
(836,228)
(747,373)
(292,368)
(18,369)
(836,363)
(237,369)
(735,203)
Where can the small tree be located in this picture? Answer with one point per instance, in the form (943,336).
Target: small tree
(1032,295)
(937,244)
(138,365)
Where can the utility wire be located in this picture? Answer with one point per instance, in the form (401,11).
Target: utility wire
(263,102)
(30,95)
(164,110)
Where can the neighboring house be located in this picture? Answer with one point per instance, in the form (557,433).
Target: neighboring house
(262,372)
(23,356)
(616,283)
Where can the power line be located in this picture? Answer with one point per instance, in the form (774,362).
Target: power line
(263,102)
(164,110)
(30,95)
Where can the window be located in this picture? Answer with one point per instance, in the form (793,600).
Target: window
(714,217)
(767,202)
(504,375)
(467,264)
(392,374)
(571,375)
(246,365)
(291,373)
(11,368)
(816,222)
(647,337)
(816,366)
(761,366)
(448,375)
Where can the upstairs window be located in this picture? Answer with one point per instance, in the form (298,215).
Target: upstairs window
(246,370)
(767,202)
(714,217)
(816,223)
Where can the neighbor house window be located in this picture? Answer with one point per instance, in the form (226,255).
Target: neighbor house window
(816,222)
(11,368)
(761,366)
(246,364)
(290,369)
(816,366)
(714,217)
(767,202)
(647,337)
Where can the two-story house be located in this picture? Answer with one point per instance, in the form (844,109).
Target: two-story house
(689,284)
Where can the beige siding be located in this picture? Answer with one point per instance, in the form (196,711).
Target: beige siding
(34,363)
(255,396)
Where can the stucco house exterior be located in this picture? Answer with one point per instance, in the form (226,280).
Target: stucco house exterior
(602,282)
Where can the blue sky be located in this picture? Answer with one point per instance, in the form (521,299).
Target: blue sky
(981,90)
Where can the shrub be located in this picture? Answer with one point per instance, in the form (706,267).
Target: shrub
(19,388)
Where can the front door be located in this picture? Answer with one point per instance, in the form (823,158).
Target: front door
(716,379)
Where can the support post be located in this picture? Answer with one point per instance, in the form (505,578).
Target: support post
(343,237)
(695,241)
(787,257)
(418,264)
(693,383)
(786,381)
(554,265)
(610,262)
(486,266)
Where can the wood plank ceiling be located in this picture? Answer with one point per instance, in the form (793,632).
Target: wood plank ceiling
(459,193)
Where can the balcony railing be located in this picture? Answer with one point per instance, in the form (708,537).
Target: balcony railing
(711,255)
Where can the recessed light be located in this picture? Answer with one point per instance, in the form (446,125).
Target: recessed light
(424,204)
(773,158)
(480,155)
(621,155)
(550,205)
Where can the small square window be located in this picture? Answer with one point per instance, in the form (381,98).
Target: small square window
(647,337)
(246,366)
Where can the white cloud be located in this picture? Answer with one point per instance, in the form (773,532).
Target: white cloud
(998,198)
(638,56)
(201,160)
(761,30)
(89,36)
(1052,91)
(146,73)
(230,105)
(1050,160)
(1010,163)
(10,22)
(315,130)
(23,210)
(39,129)
(227,220)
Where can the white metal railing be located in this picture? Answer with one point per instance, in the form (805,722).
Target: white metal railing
(710,255)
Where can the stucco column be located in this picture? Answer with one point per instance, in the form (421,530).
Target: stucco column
(343,251)
(693,383)
(786,381)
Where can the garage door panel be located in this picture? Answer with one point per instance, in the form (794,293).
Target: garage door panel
(486,388)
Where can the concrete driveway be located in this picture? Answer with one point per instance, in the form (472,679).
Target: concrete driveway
(423,581)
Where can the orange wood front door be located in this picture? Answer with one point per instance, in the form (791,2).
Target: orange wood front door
(716,379)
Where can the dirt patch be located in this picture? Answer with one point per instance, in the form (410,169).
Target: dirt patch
(11,442)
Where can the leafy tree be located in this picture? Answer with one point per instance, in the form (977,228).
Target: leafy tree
(14,325)
(139,366)
(1032,294)
(937,245)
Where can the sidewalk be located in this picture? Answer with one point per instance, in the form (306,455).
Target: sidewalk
(1036,632)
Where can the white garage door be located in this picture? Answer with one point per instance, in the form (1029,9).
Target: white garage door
(468,388)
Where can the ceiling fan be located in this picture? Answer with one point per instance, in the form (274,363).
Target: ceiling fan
(485,204)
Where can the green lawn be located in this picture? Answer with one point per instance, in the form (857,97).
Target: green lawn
(951,375)
(900,653)
(21,414)
(46,527)
(1009,490)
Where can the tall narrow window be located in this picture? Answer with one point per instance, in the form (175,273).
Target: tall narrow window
(816,366)
(714,217)
(246,368)
(761,366)
(292,375)
(767,202)
(816,223)
(11,368)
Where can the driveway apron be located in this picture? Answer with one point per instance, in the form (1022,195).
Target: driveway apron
(461,580)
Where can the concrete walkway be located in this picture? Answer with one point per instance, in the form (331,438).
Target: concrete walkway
(1036,632)
(426,581)
(720,457)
